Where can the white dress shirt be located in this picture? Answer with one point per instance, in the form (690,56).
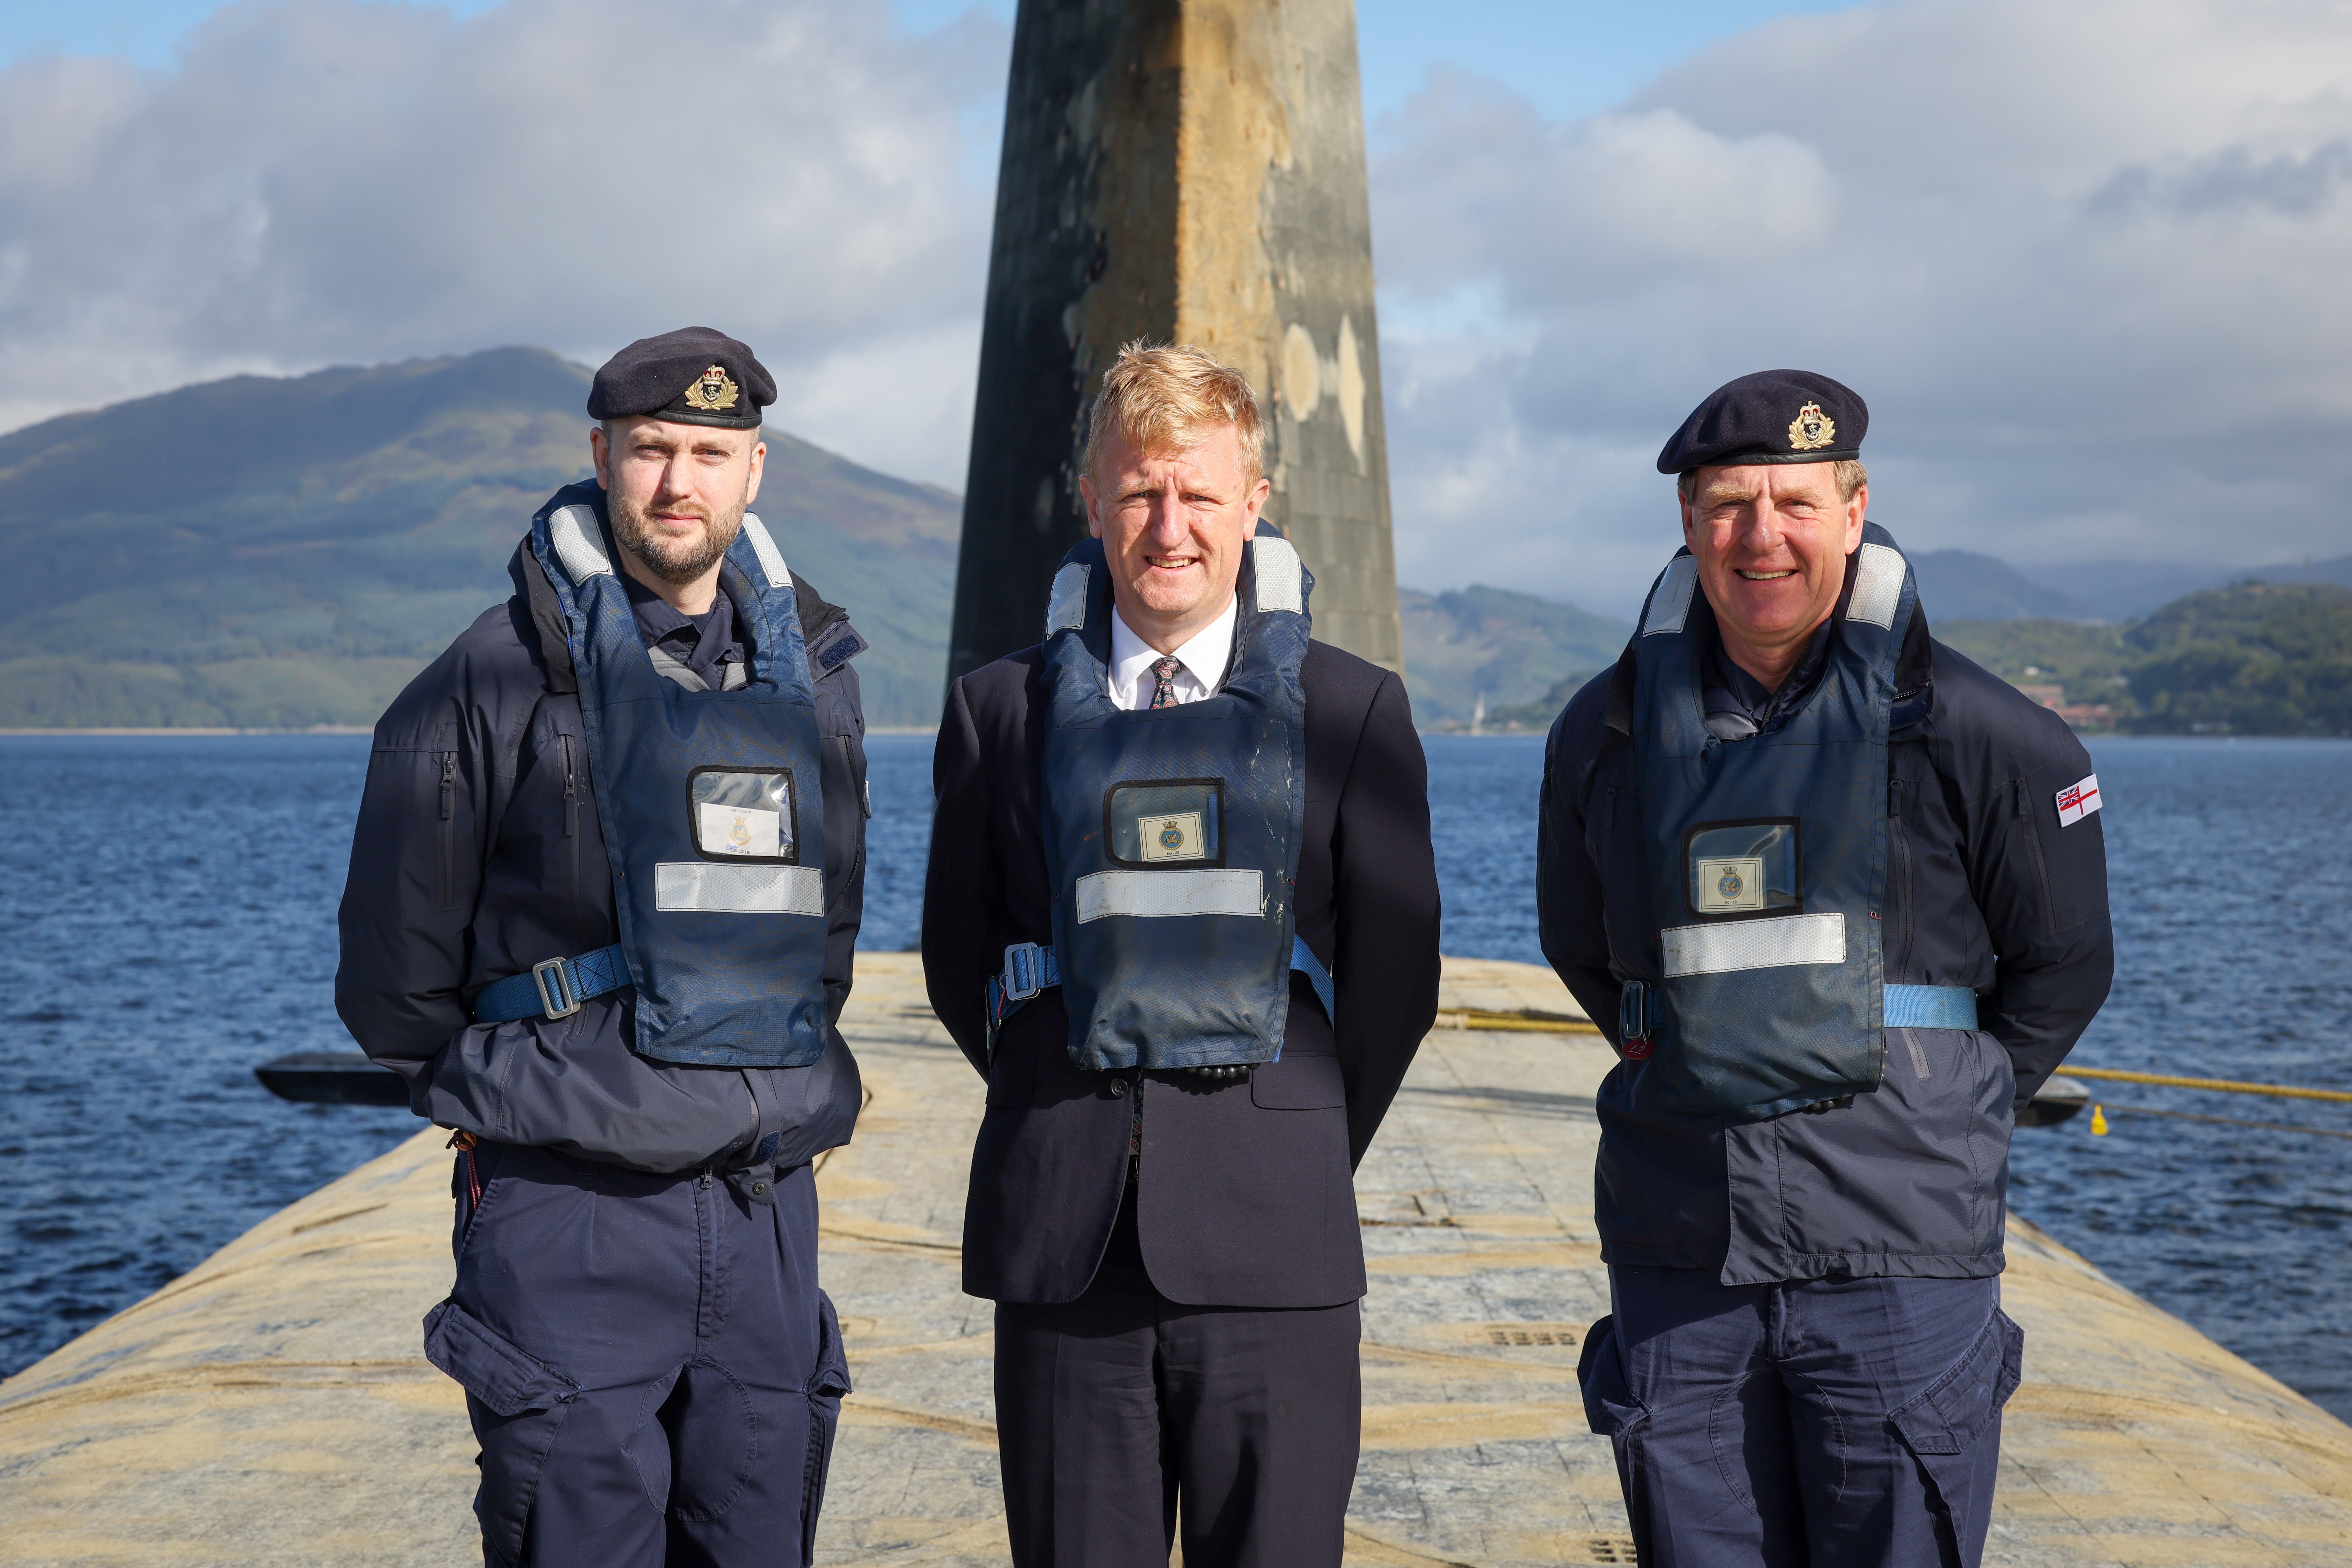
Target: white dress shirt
(1199,663)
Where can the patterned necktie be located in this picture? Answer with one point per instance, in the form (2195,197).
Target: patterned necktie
(1165,670)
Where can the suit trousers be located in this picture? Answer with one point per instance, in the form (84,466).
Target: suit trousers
(1122,1411)
(652,1373)
(1807,1424)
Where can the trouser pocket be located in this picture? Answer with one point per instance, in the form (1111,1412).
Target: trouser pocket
(826,1384)
(1611,1410)
(1953,1429)
(518,1403)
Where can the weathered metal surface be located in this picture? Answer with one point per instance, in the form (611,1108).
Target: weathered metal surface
(1186,171)
(271,1407)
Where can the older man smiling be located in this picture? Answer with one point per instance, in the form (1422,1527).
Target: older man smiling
(1819,878)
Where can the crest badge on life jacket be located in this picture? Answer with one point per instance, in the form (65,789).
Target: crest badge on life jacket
(1176,837)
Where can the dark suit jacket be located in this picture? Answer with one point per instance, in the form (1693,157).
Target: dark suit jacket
(1246,1196)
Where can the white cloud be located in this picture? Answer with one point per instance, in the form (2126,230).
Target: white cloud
(320,181)
(2086,262)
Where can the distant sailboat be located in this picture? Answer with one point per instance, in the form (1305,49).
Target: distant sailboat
(1478,714)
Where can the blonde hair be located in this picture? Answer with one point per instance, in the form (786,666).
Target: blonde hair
(1849,472)
(1169,398)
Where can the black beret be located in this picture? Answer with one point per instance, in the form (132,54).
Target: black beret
(692,376)
(1772,416)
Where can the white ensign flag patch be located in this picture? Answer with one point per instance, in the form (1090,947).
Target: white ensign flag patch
(2077,801)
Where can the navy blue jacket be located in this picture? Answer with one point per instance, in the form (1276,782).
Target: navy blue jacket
(1986,890)
(479,853)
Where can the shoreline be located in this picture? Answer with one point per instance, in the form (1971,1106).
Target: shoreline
(216,730)
(193,730)
(119,730)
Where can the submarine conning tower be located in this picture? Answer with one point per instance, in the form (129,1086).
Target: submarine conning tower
(1181,171)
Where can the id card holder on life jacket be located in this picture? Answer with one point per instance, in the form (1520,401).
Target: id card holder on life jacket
(1737,869)
(1155,822)
(744,814)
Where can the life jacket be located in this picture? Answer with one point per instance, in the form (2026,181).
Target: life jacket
(1172,835)
(711,801)
(1766,857)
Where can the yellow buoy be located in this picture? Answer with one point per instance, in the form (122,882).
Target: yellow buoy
(2098,1122)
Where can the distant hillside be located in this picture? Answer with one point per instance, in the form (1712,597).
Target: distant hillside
(281,552)
(2251,659)
(1959,585)
(1511,649)
(2088,661)
(2126,590)
(2254,658)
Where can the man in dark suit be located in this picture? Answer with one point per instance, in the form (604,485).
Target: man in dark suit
(1209,838)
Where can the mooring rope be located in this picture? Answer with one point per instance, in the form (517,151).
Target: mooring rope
(1553,1024)
(2227,1086)
(1505,1023)
(2227,1120)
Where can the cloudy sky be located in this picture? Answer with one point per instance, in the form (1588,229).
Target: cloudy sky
(2087,262)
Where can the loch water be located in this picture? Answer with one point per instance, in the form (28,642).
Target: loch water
(168,905)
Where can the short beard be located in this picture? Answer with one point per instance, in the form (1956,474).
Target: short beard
(680,564)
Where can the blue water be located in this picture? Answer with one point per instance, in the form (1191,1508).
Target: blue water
(170,906)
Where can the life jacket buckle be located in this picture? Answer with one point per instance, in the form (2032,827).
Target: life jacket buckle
(564,1000)
(1029,968)
(1639,1010)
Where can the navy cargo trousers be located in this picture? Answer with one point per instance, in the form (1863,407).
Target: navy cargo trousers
(1808,1424)
(652,1373)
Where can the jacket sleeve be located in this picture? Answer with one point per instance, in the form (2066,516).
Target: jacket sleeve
(417,853)
(1384,891)
(962,887)
(844,769)
(2040,886)
(1568,908)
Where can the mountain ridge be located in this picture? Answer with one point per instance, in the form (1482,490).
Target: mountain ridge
(285,553)
(282,552)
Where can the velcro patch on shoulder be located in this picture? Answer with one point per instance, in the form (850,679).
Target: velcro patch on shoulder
(2077,801)
(840,648)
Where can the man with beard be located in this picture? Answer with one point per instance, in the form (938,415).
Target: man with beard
(603,894)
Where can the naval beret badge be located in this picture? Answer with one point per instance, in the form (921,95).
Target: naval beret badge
(714,390)
(1812,429)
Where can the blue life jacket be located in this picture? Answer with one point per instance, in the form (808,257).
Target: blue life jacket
(711,801)
(1766,857)
(1172,835)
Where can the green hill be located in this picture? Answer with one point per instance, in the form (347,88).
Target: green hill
(1512,649)
(2257,658)
(2088,659)
(282,552)
(2253,659)
(279,553)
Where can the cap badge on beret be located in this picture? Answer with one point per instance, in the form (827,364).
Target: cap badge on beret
(1812,429)
(714,389)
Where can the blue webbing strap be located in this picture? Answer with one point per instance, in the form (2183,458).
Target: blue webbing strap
(1030,967)
(1930,1007)
(1303,960)
(1908,1008)
(553,989)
